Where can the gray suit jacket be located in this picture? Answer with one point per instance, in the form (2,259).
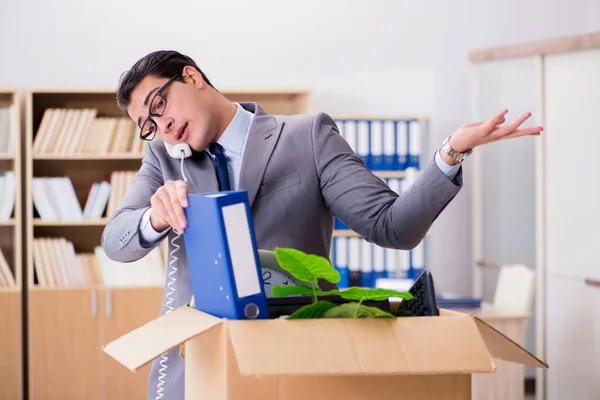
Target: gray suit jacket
(299,172)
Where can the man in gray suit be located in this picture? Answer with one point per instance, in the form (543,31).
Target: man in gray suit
(298,170)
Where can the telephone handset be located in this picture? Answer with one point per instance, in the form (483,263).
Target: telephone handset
(180,150)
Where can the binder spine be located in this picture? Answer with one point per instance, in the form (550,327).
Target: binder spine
(340,251)
(222,256)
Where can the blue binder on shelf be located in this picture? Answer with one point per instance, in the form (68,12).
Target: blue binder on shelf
(223,257)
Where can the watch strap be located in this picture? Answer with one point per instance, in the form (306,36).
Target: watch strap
(457,156)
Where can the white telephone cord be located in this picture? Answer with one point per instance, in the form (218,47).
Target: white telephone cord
(171,290)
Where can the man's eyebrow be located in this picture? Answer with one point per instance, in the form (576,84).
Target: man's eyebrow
(139,121)
(150,94)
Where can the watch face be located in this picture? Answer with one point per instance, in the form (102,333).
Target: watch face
(272,277)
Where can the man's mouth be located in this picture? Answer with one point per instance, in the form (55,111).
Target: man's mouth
(182,132)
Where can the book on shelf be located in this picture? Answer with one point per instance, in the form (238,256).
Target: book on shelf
(7,139)
(8,192)
(55,198)
(83,131)
(97,200)
(120,182)
(7,279)
(57,264)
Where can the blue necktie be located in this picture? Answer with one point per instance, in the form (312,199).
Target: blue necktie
(220,165)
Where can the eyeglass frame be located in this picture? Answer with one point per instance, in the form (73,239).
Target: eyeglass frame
(159,93)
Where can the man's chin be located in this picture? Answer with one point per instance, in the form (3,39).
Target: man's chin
(198,147)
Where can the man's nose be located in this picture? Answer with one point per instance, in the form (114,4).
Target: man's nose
(165,125)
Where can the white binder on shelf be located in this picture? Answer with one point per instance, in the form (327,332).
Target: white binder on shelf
(401,145)
(376,154)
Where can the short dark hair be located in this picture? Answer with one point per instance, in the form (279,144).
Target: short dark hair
(161,63)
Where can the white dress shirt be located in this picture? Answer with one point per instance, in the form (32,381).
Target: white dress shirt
(234,140)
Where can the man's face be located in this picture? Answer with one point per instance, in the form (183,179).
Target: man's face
(181,112)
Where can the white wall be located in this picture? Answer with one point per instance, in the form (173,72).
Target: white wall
(392,56)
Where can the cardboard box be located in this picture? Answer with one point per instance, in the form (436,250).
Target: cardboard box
(349,359)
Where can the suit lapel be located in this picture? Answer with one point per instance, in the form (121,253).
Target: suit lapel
(262,138)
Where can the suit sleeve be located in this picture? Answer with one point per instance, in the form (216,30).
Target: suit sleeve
(121,238)
(365,203)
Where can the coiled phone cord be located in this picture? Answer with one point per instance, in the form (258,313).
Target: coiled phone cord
(160,387)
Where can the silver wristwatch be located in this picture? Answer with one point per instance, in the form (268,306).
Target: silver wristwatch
(458,157)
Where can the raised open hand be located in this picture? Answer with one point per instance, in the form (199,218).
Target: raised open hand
(476,134)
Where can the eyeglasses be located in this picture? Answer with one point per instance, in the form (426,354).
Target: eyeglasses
(158,105)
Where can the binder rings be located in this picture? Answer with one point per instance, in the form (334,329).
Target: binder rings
(222,256)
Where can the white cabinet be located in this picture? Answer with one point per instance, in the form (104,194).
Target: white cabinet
(504,176)
(593,288)
(504,172)
(559,81)
(571,219)
(572,166)
(571,340)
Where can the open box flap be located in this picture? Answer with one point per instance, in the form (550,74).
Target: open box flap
(503,348)
(436,345)
(142,345)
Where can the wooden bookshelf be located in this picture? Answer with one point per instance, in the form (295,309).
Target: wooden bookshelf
(94,314)
(8,223)
(11,298)
(274,100)
(86,313)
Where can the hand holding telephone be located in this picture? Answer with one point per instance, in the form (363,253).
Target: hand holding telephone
(170,199)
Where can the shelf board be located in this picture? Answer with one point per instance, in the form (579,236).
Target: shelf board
(344,233)
(7,156)
(10,222)
(85,222)
(362,117)
(74,90)
(84,157)
(266,91)
(57,288)
(91,287)
(351,233)
(390,174)
(9,290)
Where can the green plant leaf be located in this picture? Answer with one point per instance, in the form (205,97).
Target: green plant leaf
(378,294)
(328,293)
(306,267)
(402,313)
(282,291)
(314,310)
(356,310)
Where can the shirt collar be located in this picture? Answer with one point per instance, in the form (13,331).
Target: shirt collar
(234,136)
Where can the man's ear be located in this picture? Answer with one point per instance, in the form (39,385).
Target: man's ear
(193,77)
